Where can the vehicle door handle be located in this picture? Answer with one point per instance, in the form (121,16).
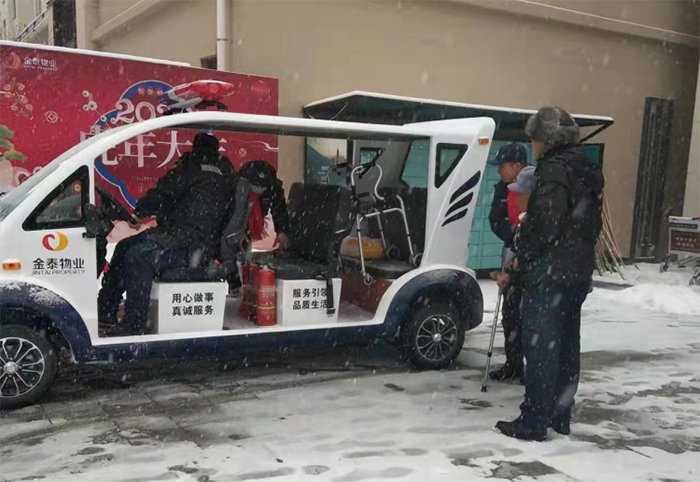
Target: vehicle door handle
(88,235)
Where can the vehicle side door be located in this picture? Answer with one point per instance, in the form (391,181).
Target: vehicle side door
(54,248)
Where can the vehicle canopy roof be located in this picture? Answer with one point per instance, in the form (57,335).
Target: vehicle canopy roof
(261,124)
(225,121)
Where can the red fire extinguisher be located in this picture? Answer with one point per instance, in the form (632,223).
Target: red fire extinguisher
(265,289)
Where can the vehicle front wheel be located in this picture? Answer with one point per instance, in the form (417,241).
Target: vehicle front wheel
(28,365)
(433,336)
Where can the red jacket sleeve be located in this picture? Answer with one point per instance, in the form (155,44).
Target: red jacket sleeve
(513,211)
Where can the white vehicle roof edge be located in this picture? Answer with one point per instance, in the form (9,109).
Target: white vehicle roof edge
(442,126)
(95,53)
(97,145)
(303,127)
(445,103)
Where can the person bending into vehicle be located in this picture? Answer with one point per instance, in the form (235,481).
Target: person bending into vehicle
(556,261)
(191,204)
(511,159)
(266,196)
(259,192)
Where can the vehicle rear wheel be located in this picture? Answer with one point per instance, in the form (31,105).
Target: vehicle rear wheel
(28,365)
(433,336)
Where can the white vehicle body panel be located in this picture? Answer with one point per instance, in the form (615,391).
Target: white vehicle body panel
(446,245)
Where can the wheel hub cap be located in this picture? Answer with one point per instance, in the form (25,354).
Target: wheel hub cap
(436,338)
(10,368)
(22,365)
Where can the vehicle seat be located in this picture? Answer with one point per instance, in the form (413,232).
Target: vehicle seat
(297,268)
(320,216)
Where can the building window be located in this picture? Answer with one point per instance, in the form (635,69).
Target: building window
(64,28)
(37,7)
(209,62)
(13,9)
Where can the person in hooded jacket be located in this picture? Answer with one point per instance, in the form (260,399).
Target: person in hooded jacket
(556,261)
(191,204)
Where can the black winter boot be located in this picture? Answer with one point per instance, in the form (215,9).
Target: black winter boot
(561,422)
(517,429)
(506,372)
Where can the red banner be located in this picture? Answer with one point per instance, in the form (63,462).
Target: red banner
(50,100)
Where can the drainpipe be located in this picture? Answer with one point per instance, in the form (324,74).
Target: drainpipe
(223,35)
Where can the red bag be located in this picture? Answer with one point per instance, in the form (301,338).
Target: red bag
(513,211)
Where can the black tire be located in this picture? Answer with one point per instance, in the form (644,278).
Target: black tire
(25,382)
(419,343)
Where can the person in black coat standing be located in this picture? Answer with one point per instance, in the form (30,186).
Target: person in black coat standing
(556,262)
(510,159)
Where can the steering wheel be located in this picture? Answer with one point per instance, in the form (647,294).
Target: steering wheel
(111,207)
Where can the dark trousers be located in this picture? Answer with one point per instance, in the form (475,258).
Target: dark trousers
(552,346)
(110,295)
(142,263)
(512,322)
(135,263)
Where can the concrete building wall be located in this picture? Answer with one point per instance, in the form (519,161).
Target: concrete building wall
(675,15)
(455,51)
(107,10)
(182,30)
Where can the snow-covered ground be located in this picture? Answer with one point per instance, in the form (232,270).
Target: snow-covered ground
(359,416)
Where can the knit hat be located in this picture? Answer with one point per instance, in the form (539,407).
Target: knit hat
(553,126)
(525,182)
(259,173)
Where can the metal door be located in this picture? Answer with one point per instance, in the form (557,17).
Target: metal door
(651,178)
